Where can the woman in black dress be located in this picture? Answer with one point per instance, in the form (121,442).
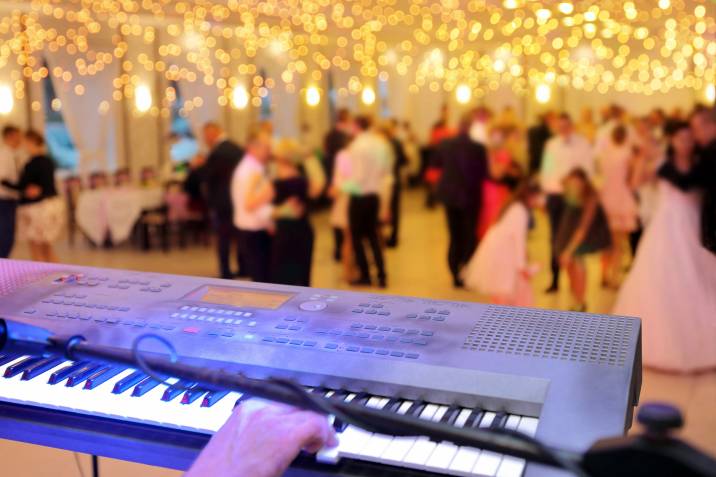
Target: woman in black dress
(582,230)
(292,246)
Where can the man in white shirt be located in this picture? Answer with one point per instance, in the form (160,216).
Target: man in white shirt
(563,153)
(369,187)
(251,195)
(9,171)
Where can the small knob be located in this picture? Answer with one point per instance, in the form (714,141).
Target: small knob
(660,418)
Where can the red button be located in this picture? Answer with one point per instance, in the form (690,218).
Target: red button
(191,329)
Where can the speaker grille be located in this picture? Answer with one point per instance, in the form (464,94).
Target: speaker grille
(545,334)
(15,273)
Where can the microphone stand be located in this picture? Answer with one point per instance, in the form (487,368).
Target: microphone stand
(654,454)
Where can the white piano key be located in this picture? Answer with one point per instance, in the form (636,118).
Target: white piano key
(400,446)
(464,461)
(462,418)
(441,457)
(511,467)
(487,464)
(419,453)
(512,422)
(487,419)
(334,454)
(528,425)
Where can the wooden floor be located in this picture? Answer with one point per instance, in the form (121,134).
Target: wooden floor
(417,267)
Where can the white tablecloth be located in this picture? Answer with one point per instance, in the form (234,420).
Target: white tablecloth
(114,211)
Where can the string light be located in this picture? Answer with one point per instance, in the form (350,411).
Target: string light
(710,93)
(367,96)
(239,97)
(313,96)
(543,93)
(143,98)
(638,46)
(7,102)
(463,94)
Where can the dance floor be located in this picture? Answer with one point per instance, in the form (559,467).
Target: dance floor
(416,267)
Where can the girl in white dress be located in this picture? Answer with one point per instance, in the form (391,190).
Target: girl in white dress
(499,267)
(672,284)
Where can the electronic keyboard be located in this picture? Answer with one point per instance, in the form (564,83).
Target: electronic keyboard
(565,378)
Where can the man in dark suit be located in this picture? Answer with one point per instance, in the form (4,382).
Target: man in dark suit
(336,139)
(460,189)
(537,137)
(215,174)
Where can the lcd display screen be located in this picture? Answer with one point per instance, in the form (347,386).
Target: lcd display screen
(244,297)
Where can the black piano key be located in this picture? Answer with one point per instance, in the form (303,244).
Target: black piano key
(144,387)
(175,390)
(392,405)
(473,420)
(102,376)
(192,395)
(416,409)
(62,374)
(499,421)
(6,358)
(450,415)
(212,397)
(361,399)
(244,397)
(18,368)
(127,382)
(340,395)
(41,367)
(80,375)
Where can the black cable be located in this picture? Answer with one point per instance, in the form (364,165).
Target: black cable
(95,466)
(144,367)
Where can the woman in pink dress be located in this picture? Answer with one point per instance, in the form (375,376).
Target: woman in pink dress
(615,163)
(495,192)
(672,284)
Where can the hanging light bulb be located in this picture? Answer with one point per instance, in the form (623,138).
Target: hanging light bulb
(7,102)
(368,96)
(313,96)
(463,94)
(710,93)
(143,98)
(566,8)
(543,93)
(239,97)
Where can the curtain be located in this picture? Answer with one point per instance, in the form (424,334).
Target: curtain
(93,133)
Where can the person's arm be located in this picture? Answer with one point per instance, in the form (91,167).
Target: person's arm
(261,440)
(589,212)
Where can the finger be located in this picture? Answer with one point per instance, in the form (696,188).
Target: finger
(312,430)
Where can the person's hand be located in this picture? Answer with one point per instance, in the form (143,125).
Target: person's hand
(261,440)
(32,191)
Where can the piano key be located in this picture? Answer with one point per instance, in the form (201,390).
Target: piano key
(487,419)
(528,425)
(464,461)
(487,463)
(62,374)
(353,438)
(7,358)
(445,452)
(400,446)
(450,415)
(82,373)
(461,420)
(423,447)
(512,422)
(41,367)
(499,420)
(513,466)
(144,387)
(377,443)
(102,375)
(474,419)
(173,391)
(123,384)
(333,455)
(192,395)
(212,397)
(18,367)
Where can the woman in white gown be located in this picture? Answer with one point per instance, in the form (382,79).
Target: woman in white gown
(672,283)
